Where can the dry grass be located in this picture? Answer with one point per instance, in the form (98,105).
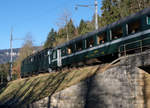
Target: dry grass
(24,91)
(147,89)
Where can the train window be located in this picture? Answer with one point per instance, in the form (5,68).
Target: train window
(42,55)
(39,56)
(134,26)
(148,20)
(101,38)
(48,52)
(32,59)
(28,61)
(54,54)
(45,54)
(116,33)
(63,51)
(70,49)
(79,46)
(89,42)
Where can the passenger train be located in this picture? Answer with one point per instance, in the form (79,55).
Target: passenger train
(125,36)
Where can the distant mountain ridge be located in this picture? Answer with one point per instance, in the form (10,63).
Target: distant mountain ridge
(5,55)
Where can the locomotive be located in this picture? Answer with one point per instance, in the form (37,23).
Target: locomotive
(122,37)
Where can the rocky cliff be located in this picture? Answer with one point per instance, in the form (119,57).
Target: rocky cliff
(114,88)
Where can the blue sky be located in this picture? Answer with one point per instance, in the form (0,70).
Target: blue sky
(37,17)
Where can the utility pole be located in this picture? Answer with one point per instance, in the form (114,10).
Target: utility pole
(11,54)
(96,14)
(96,11)
(67,28)
(11,58)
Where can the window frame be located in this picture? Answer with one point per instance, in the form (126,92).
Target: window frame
(63,51)
(129,32)
(54,55)
(104,36)
(112,35)
(72,48)
(92,37)
(81,44)
(147,20)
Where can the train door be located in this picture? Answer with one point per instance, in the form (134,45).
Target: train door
(49,53)
(59,62)
(49,57)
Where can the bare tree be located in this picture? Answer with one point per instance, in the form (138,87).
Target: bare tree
(26,50)
(63,21)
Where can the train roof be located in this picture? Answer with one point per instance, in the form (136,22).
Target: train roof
(38,52)
(127,19)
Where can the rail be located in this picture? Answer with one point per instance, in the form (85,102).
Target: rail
(134,47)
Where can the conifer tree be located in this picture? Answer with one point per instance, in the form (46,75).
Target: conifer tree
(82,27)
(71,29)
(124,8)
(50,39)
(137,5)
(110,11)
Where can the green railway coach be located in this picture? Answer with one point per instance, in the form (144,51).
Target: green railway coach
(121,37)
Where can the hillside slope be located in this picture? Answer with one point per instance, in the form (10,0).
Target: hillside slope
(28,90)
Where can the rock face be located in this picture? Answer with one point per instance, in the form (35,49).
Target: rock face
(114,88)
(122,86)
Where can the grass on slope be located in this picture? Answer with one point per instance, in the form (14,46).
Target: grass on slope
(28,90)
(147,89)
